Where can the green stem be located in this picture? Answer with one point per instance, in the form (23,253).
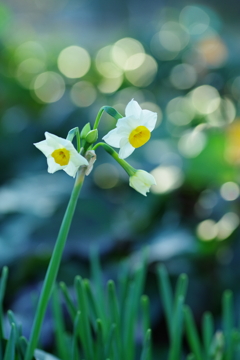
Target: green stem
(53,266)
(125,165)
(98,118)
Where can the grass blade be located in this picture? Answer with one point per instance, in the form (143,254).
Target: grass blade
(227,309)
(75,337)
(146,351)
(3,283)
(85,331)
(59,328)
(175,349)
(10,348)
(208,332)
(192,334)
(145,313)
(100,342)
(167,296)
(69,303)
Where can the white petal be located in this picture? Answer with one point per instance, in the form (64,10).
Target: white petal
(149,119)
(52,165)
(141,181)
(126,150)
(113,138)
(71,169)
(53,141)
(44,147)
(133,109)
(77,159)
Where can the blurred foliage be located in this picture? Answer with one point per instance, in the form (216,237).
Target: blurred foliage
(58,66)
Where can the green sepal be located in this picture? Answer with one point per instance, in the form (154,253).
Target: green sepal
(85,130)
(112,112)
(92,136)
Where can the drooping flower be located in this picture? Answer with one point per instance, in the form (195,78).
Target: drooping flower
(133,130)
(61,154)
(142,181)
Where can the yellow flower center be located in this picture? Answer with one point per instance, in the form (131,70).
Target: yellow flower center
(139,136)
(61,156)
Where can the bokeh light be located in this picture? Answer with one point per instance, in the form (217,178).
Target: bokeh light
(83,93)
(106,176)
(230,191)
(207,230)
(205,99)
(144,74)
(195,19)
(183,76)
(167,178)
(74,62)
(49,87)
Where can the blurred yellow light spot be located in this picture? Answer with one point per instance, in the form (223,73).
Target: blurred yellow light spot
(167,178)
(124,49)
(173,36)
(192,143)
(108,86)
(180,111)
(227,224)
(106,176)
(74,62)
(232,151)
(205,99)
(230,191)
(207,230)
(83,94)
(183,76)
(144,74)
(213,50)
(49,87)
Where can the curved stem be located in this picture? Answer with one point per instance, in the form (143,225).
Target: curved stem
(125,165)
(54,265)
(98,118)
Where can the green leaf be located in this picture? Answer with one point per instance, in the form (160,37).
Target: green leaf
(167,296)
(192,334)
(10,348)
(3,283)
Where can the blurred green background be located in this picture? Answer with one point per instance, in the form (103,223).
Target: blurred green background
(60,62)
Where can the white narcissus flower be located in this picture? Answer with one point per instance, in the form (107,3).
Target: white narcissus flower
(61,154)
(133,130)
(142,181)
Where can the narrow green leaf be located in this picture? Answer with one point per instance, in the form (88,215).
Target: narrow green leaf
(146,351)
(227,315)
(115,317)
(100,342)
(208,332)
(75,336)
(85,332)
(59,328)
(10,348)
(22,345)
(181,288)
(167,296)
(96,275)
(175,349)
(192,334)
(69,303)
(109,342)
(145,313)
(92,303)
(3,283)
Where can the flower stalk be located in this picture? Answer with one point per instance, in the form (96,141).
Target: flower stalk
(54,264)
